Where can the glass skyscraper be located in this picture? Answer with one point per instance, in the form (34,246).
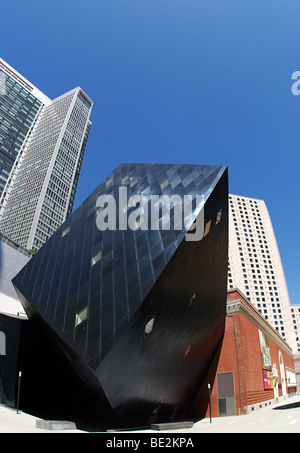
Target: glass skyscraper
(20,105)
(42,147)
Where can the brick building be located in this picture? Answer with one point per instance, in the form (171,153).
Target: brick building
(255,366)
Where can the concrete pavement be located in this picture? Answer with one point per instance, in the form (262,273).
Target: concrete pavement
(13,422)
(283,417)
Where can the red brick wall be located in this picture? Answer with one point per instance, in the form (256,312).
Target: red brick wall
(241,354)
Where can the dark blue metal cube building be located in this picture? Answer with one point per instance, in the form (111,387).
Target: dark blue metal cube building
(125,322)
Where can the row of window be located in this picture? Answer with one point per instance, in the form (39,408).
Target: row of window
(12,78)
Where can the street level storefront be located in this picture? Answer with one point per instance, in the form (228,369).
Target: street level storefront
(255,366)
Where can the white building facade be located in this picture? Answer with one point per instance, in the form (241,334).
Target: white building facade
(12,259)
(255,267)
(40,190)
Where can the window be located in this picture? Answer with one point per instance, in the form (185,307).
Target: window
(149,327)
(109,182)
(81,323)
(164,184)
(134,182)
(66,231)
(96,258)
(81,316)
(207,228)
(219,215)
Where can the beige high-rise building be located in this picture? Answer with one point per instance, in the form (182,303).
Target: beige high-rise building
(255,266)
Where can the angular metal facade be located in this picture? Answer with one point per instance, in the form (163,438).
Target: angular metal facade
(138,315)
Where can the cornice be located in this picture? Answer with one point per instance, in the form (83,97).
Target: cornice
(254,316)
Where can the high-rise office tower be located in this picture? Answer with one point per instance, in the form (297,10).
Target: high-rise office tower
(20,106)
(42,147)
(255,265)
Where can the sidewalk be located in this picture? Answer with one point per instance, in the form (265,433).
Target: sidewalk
(11,422)
(283,417)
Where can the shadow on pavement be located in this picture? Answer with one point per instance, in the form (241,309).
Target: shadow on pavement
(288,406)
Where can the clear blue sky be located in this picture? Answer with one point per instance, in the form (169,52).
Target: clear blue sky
(177,81)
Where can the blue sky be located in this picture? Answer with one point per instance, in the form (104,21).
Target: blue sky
(177,81)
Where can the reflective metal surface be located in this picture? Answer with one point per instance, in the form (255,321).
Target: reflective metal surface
(137,314)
